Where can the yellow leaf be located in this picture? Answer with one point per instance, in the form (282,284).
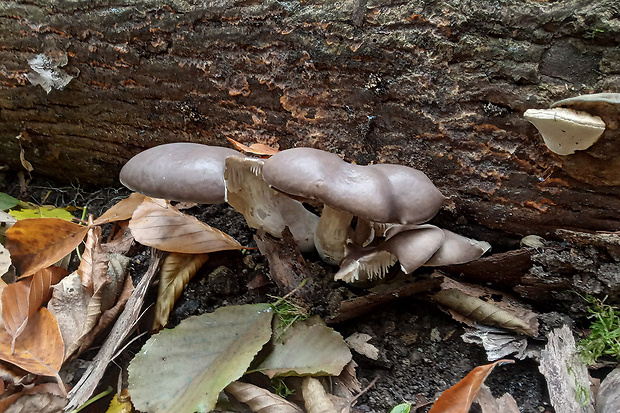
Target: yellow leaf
(38,243)
(176,271)
(44,211)
(158,224)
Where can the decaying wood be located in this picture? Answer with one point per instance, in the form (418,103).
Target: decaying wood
(438,85)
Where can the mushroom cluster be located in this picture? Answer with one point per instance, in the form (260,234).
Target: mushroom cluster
(372,216)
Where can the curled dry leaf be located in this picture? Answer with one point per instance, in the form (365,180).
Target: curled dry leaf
(22,299)
(255,148)
(123,210)
(489,404)
(38,243)
(458,398)
(94,265)
(261,400)
(158,224)
(359,342)
(481,311)
(315,396)
(176,271)
(39,349)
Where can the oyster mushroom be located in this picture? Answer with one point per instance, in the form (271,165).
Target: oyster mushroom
(265,208)
(183,171)
(413,247)
(378,193)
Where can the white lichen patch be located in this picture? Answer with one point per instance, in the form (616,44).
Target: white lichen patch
(566,130)
(47,73)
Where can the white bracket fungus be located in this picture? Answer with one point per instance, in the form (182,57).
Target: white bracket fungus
(566,130)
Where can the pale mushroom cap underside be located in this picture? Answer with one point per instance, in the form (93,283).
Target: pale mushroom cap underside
(594,98)
(183,171)
(380,193)
(566,130)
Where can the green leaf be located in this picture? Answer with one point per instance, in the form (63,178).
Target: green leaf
(307,347)
(7,201)
(401,408)
(184,369)
(42,212)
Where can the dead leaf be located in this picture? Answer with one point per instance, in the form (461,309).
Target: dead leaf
(458,398)
(359,342)
(94,265)
(39,349)
(481,311)
(176,271)
(22,299)
(122,210)
(5,260)
(260,400)
(158,224)
(489,404)
(108,316)
(68,304)
(37,243)
(38,402)
(255,148)
(45,388)
(307,347)
(315,396)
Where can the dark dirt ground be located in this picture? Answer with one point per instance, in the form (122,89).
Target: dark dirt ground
(421,350)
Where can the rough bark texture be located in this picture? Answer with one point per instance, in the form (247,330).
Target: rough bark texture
(437,85)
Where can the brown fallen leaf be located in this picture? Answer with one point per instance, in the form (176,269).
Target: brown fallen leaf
(37,243)
(458,398)
(255,148)
(38,402)
(22,299)
(489,404)
(122,210)
(45,388)
(39,349)
(158,224)
(94,265)
(176,271)
(260,400)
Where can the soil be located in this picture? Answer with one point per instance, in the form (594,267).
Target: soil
(421,352)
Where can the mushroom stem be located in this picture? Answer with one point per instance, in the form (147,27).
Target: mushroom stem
(332,233)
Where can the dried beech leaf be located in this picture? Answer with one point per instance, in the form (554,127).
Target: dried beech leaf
(22,299)
(458,398)
(261,400)
(38,243)
(122,210)
(107,317)
(5,260)
(164,227)
(176,271)
(481,311)
(45,388)
(255,148)
(307,347)
(94,265)
(315,396)
(68,304)
(38,402)
(196,360)
(39,349)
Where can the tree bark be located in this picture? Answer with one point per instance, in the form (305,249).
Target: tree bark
(438,85)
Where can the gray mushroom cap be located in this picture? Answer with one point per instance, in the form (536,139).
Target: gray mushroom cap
(379,193)
(189,172)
